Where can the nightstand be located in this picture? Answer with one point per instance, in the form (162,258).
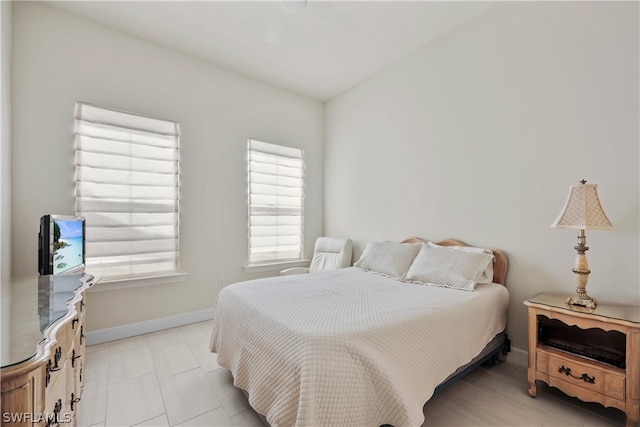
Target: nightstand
(591,354)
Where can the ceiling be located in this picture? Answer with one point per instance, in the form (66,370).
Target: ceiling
(314,48)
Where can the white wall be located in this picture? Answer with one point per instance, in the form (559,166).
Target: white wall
(59,59)
(5,161)
(476,136)
(479,135)
(5,139)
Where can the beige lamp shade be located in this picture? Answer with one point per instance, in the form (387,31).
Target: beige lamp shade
(583,210)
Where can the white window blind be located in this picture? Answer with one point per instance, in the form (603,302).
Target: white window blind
(276,202)
(128,190)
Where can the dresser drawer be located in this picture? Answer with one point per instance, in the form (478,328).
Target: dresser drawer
(55,401)
(55,364)
(583,373)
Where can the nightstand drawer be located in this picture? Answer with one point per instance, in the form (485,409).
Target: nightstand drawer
(583,373)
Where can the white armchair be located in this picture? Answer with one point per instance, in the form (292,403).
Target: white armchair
(330,253)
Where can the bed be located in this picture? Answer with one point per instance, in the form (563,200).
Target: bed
(357,346)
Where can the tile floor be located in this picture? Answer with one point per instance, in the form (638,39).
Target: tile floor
(169,378)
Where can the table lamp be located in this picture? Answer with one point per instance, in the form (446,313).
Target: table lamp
(582,211)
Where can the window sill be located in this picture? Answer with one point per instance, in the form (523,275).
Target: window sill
(275,266)
(137,282)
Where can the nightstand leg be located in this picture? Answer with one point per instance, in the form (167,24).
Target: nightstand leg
(533,343)
(533,389)
(633,378)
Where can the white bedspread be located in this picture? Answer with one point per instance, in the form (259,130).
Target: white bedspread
(349,347)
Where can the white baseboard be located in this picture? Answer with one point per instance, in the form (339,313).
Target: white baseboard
(518,356)
(132,329)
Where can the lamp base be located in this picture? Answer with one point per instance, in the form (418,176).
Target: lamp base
(583,300)
(581,270)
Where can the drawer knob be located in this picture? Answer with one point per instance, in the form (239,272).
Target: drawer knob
(74,357)
(52,366)
(47,375)
(53,418)
(56,359)
(74,400)
(586,378)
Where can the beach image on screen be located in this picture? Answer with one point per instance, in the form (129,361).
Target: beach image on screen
(67,246)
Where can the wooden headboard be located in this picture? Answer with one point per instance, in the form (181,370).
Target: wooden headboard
(500,265)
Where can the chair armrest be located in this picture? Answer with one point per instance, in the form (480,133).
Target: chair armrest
(294,270)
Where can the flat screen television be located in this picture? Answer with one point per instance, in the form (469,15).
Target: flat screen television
(61,245)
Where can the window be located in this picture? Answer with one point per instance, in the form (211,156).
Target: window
(127,188)
(276,202)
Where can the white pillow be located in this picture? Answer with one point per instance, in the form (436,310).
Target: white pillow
(439,266)
(487,274)
(388,258)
